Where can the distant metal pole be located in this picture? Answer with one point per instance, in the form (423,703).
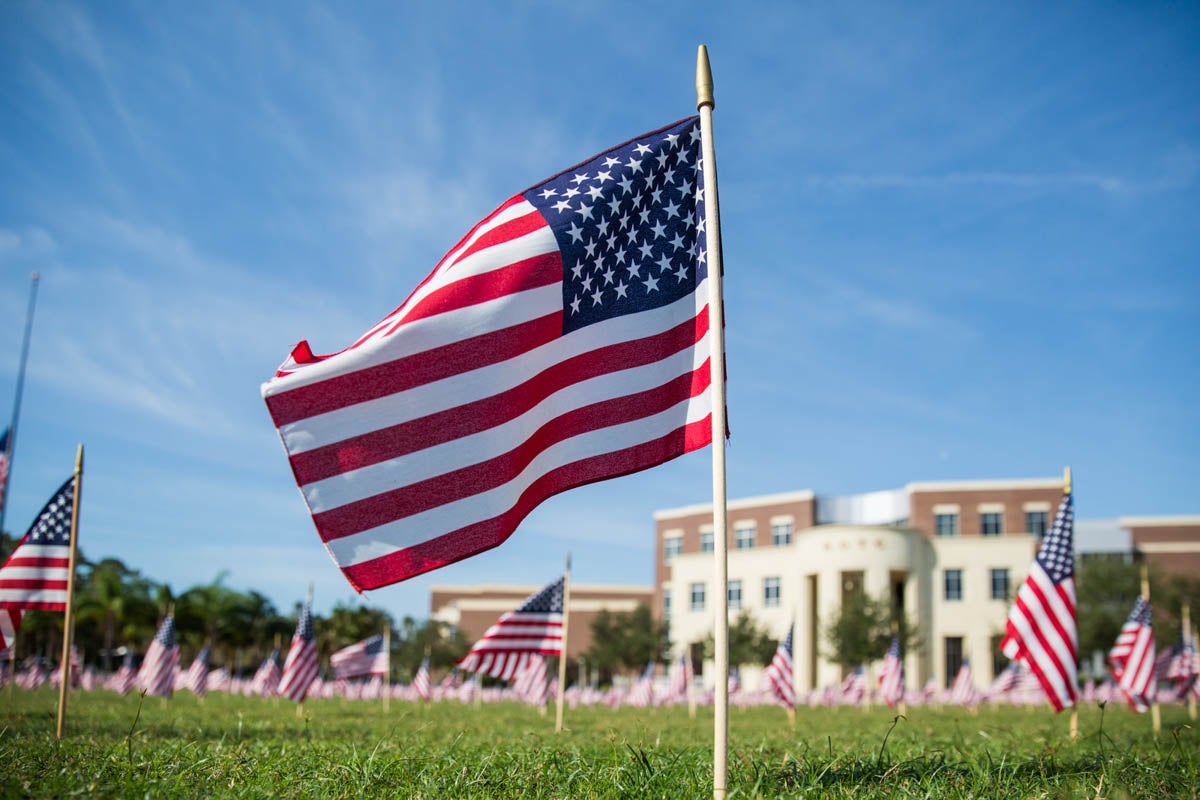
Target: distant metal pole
(12,428)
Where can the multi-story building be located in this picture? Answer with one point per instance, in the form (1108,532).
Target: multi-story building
(950,555)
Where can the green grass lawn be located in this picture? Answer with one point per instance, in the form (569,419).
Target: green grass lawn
(249,747)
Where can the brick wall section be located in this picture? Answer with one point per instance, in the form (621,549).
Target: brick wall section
(1170,548)
(921,516)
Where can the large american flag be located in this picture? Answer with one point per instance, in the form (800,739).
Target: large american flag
(300,667)
(1131,659)
(779,672)
(368,657)
(535,627)
(161,662)
(891,675)
(1041,632)
(562,341)
(36,573)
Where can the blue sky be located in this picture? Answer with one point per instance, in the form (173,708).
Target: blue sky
(960,242)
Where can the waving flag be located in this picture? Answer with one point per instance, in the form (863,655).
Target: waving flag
(779,672)
(161,662)
(368,657)
(1131,659)
(562,341)
(535,627)
(1041,631)
(35,576)
(891,675)
(300,668)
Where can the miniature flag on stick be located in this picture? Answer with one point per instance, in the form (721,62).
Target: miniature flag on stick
(891,675)
(534,628)
(1041,631)
(368,657)
(159,665)
(779,672)
(300,668)
(1131,659)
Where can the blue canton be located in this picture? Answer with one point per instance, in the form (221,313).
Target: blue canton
(53,525)
(304,628)
(373,645)
(1057,555)
(629,224)
(1141,612)
(547,601)
(166,633)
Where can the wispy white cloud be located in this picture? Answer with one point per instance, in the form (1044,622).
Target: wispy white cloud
(955,180)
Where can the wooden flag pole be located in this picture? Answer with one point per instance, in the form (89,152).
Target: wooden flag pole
(16,417)
(68,617)
(1189,641)
(716,334)
(1074,708)
(1156,717)
(562,657)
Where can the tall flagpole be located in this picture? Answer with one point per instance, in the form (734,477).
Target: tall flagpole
(562,657)
(12,428)
(716,333)
(68,618)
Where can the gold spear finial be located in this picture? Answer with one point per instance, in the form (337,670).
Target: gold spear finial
(704,80)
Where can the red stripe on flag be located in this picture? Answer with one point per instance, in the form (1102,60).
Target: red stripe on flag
(34,584)
(414,498)
(453,423)
(420,368)
(473,539)
(18,560)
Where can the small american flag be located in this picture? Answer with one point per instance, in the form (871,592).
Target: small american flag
(35,576)
(266,678)
(891,675)
(1131,659)
(196,680)
(161,662)
(1184,667)
(854,687)
(531,685)
(642,693)
(368,657)
(679,678)
(421,681)
(1041,631)
(561,342)
(300,668)
(779,672)
(963,692)
(535,627)
(122,680)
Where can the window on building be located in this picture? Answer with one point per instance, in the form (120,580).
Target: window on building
(706,541)
(953,584)
(743,536)
(945,524)
(781,534)
(1000,583)
(1035,523)
(672,546)
(667,603)
(697,597)
(771,592)
(991,523)
(735,595)
(954,657)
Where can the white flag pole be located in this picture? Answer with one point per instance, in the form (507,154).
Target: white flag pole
(716,334)
(562,657)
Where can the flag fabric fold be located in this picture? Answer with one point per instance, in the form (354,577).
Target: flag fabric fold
(34,578)
(533,628)
(1041,631)
(300,667)
(562,341)
(1131,659)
